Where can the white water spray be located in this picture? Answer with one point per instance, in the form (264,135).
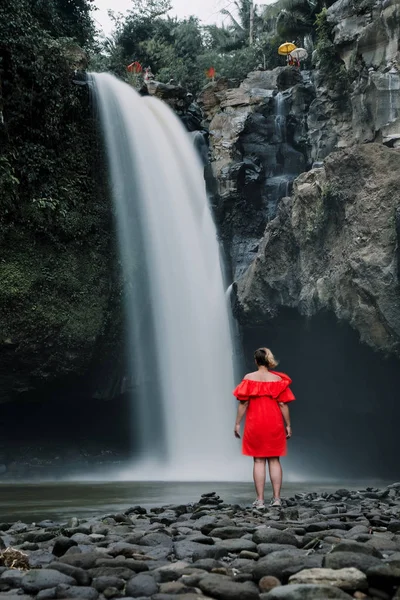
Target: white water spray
(180,343)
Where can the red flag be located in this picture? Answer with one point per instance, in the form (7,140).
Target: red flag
(210,73)
(134,67)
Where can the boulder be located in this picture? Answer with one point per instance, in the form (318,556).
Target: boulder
(102,583)
(283,564)
(223,588)
(266,535)
(81,576)
(352,546)
(306,592)
(342,560)
(227,533)
(41,579)
(352,270)
(345,579)
(156,539)
(226,546)
(193,550)
(80,593)
(62,544)
(141,585)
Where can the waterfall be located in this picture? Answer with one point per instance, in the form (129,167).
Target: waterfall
(278,187)
(392,86)
(179,334)
(288,162)
(280,117)
(201,146)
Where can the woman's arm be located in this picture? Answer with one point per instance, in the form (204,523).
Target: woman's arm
(242,407)
(286,415)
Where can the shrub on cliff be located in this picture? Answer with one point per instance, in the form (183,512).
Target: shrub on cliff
(330,65)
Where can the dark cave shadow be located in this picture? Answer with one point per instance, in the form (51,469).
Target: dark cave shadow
(347,409)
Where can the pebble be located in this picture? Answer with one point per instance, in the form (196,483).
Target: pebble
(332,545)
(267,583)
(307,592)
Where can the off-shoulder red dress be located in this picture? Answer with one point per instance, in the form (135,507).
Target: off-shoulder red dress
(264,431)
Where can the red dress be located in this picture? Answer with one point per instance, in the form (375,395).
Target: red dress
(264,432)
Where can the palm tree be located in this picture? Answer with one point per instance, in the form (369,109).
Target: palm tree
(244,27)
(296,18)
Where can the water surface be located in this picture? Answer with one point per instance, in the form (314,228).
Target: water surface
(61,501)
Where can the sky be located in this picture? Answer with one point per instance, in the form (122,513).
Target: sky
(206,10)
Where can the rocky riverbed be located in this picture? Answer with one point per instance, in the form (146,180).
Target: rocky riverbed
(317,546)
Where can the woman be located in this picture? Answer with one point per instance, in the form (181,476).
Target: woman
(264,396)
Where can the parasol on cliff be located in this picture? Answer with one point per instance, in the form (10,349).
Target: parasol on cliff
(286,48)
(299,54)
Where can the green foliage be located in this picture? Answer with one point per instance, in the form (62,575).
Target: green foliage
(49,144)
(294,19)
(63,18)
(239,27)
(183,50)
(332,197)
(331,66)
(237,64)
(234,65)
(8,186)
(333,201)
(56,235)
(325,212)
(150,9)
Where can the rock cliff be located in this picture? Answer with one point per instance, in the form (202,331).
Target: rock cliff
(258,140)
(365,34)
(334,246)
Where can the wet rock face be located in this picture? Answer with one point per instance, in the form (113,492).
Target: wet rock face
(258,141)
(366,36)
(333,247)
(179,100)
(370,113)
(366,28)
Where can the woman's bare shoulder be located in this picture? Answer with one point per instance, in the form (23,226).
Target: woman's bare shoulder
(274,377)
(253,376)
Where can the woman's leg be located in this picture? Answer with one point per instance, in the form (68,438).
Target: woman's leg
(259,474)
(275,475)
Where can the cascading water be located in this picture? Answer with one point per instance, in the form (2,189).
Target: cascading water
(391,108)
(280,117)
(201,146)
(180,342)
(278,187)
(393,79)
(286,167)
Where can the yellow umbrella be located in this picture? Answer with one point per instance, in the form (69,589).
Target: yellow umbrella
(286,48)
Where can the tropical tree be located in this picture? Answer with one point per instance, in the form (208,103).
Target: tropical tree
(47,135)
(245,26)
(150,9)
(296,18)
(65,18)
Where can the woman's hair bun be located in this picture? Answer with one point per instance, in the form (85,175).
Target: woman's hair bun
(265,358)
